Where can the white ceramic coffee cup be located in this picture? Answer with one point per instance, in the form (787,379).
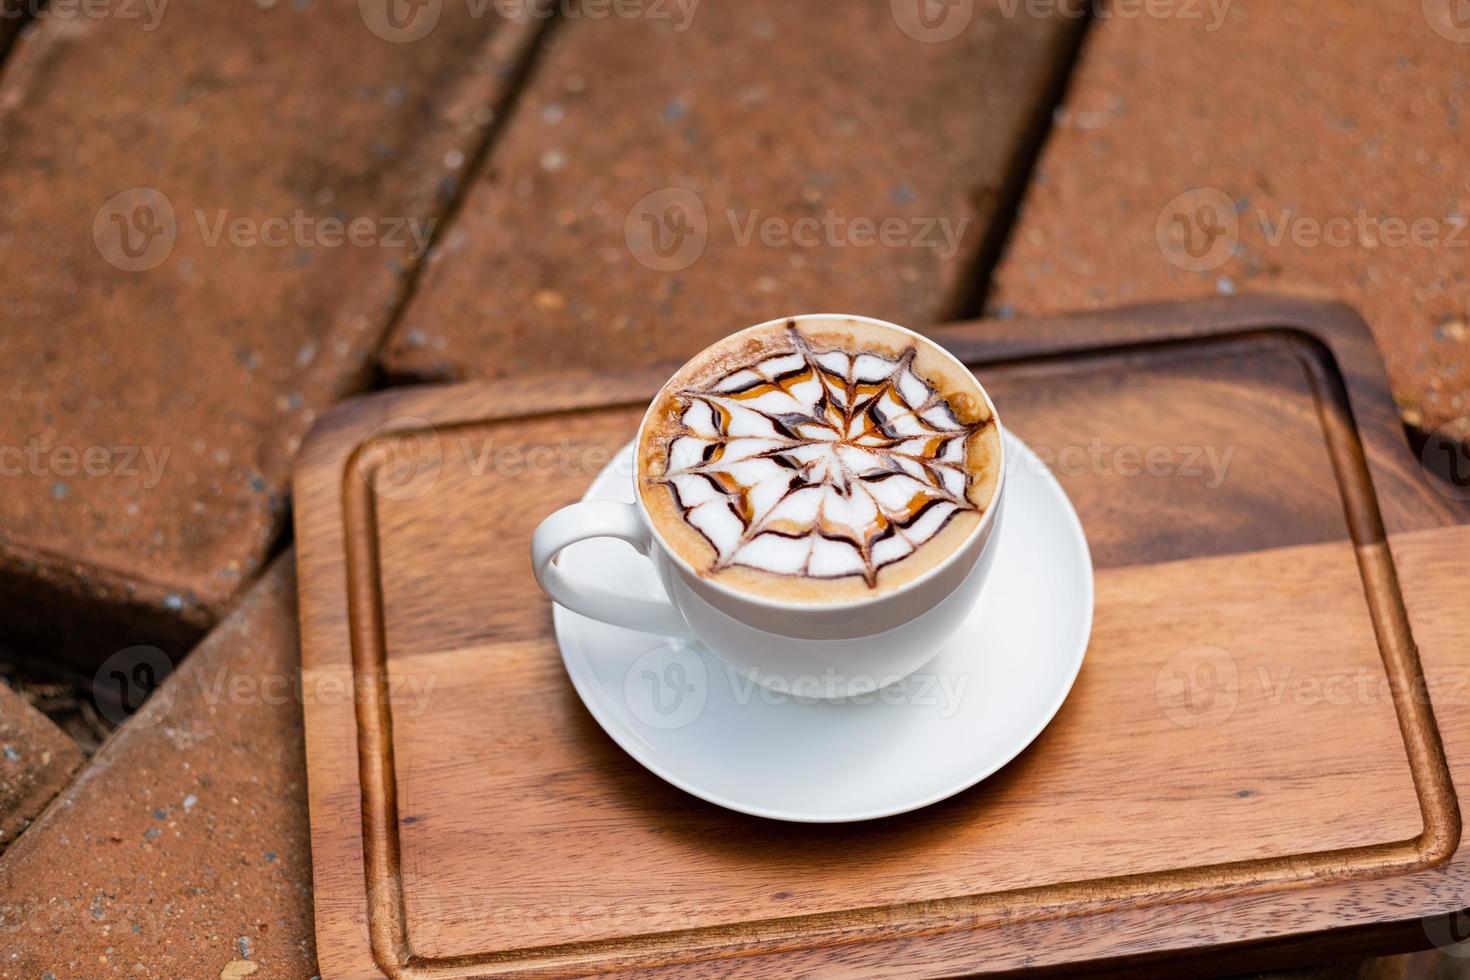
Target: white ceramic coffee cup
(822,650)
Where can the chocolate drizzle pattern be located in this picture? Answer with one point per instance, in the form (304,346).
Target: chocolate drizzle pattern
(819,463)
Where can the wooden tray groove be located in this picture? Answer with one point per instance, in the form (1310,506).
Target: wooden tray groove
(339,531)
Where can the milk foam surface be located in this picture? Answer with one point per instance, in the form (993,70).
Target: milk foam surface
(818,463)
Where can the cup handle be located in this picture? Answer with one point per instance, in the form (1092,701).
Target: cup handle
(600,519)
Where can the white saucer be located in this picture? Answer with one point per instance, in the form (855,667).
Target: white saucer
(682,713)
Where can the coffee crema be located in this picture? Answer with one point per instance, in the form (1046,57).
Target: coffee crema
(819,459)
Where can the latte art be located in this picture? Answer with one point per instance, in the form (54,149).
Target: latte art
(819,462)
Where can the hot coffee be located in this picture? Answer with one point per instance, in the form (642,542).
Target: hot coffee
(819,459)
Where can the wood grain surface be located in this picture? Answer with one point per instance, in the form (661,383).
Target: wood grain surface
(1248,764)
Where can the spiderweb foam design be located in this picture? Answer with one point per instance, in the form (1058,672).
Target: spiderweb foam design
(825,464)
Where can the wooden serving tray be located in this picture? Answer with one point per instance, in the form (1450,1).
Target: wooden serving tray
(1257,760)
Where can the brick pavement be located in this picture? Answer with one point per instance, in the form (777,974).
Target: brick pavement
(207,211)
(1297,146)
(183,850)
(183,846)
(663,183)
(36,761)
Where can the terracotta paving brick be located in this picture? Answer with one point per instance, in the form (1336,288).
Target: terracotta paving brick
(182,847)
(205,218)
(664,181)
(36,760)
(1319,134)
